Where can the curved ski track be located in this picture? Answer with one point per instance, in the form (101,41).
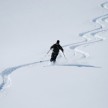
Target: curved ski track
(89,36)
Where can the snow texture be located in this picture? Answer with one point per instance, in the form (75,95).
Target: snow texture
(90,37)
(76,57)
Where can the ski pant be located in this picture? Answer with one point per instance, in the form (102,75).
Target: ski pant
(53,57)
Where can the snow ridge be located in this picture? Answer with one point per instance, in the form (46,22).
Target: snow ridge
(90,37)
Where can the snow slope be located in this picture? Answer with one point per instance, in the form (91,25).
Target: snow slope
(79,80)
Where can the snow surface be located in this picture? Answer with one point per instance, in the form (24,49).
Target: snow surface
(28,29)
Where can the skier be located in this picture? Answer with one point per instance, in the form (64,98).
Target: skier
(56,47)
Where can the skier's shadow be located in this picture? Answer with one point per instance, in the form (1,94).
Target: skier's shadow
(78,65)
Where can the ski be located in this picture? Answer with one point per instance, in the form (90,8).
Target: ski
(43,61)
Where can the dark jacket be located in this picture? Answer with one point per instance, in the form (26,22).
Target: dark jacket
(56,47)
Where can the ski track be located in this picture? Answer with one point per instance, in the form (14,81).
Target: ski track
(90,37)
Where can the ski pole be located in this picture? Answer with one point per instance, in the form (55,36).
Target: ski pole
(48,51)
(64,55)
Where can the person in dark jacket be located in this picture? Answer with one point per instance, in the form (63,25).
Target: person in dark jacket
(56,47)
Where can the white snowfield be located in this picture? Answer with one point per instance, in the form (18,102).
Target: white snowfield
(78,79)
